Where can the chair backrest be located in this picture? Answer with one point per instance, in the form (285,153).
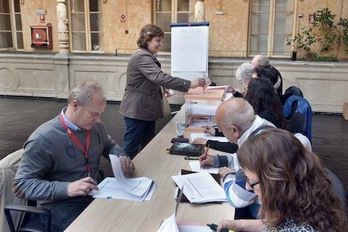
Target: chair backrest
(17,214)
(292,90)
(299,104)
(337,187)
(298,123)
(8,169)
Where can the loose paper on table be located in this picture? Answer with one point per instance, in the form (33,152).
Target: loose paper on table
(208,137)
(200,187)
(121,187)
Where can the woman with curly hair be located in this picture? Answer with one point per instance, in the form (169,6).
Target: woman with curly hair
(292,185)
(265,101)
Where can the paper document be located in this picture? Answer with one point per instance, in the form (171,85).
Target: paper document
(121,187)
(200,187)
(208,137)
(170,225)
(195,166)
(194,228)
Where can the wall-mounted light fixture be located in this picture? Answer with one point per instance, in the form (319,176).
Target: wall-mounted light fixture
(22,2)
(105,1)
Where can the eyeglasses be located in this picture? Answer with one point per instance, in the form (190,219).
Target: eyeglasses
(253,184)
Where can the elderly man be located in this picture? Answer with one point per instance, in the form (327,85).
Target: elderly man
(61,158)
(237,121)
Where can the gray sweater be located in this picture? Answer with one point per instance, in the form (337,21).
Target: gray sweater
(52,160)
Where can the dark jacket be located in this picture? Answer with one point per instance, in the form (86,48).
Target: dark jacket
(143,98)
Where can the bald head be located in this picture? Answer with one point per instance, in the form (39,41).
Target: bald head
(260,60)
(234,117)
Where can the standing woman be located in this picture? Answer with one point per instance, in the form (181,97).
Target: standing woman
(142,101)
(294,189)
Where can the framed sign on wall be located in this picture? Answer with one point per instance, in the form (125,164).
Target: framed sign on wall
(41,36)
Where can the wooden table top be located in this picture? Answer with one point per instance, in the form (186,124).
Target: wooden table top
(156,163)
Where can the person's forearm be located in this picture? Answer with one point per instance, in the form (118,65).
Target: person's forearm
(250,225)
(222,146)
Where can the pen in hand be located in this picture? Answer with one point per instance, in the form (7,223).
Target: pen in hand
(191,158)
(205,155)
(206,152)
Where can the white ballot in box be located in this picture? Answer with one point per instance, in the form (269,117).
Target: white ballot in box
(201,106)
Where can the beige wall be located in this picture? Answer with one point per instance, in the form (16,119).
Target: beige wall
(137,12)
(30,18)
(228,32)
(337,7)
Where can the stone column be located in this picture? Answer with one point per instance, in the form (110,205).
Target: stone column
(199,11)
(63,33)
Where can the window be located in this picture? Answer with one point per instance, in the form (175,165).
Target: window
(271,24)
(171,11)
(11,35)
(85,26)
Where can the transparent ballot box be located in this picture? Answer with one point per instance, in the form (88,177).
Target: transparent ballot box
(200,106)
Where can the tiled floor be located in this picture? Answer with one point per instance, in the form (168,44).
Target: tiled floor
(20,116)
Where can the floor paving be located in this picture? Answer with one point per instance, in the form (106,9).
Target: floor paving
(20,116)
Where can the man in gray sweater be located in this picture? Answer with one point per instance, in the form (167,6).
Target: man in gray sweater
(61,158)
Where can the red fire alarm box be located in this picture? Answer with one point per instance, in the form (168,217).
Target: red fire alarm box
(41,36)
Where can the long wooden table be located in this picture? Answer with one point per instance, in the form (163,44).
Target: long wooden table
(156,163)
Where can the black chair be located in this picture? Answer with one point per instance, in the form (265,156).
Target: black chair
(298,123)
(292,90)
(20,214)
(299,104)
(337,187)
(30,218)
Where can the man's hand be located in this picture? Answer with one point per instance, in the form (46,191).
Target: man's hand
(81,187)
(206,161)
(127,165)
(199,141)
(209,130)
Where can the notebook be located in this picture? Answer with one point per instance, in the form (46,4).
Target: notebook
(188,149)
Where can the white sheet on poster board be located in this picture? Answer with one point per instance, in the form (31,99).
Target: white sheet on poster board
(189,50)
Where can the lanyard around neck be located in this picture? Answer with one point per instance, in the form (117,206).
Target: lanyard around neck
(77,142)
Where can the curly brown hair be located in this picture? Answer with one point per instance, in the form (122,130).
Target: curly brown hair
(292,181)
(147,33)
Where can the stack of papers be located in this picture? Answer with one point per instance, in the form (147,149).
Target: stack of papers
(121,187)
(200,187)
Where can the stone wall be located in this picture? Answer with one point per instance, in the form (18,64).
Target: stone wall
(51,75)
